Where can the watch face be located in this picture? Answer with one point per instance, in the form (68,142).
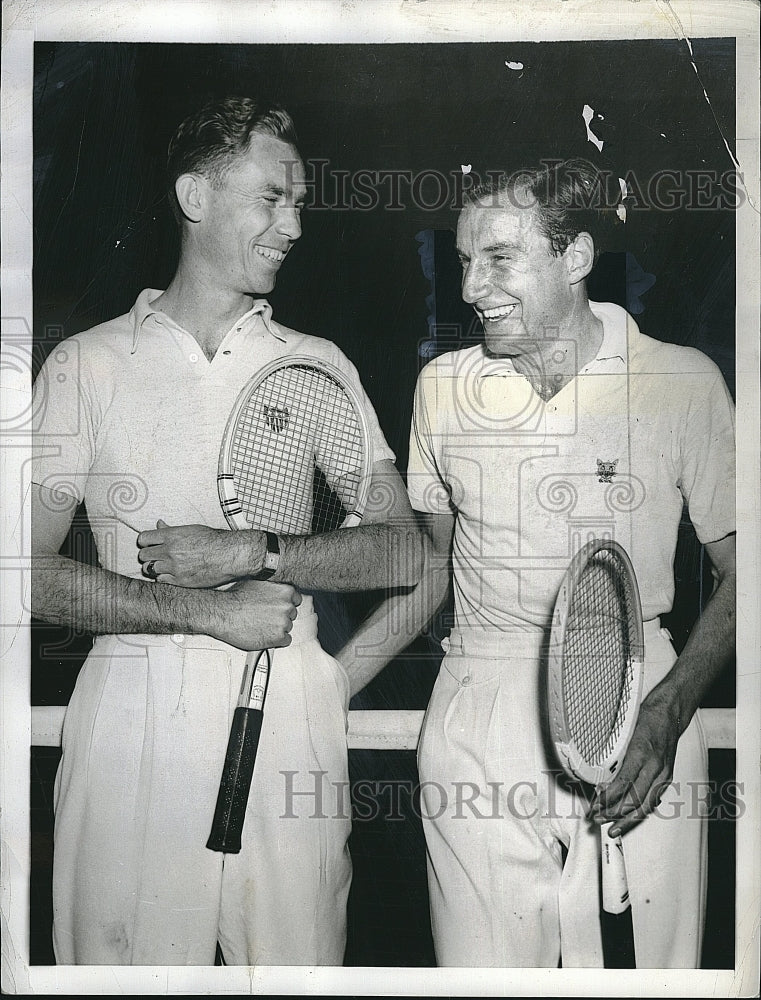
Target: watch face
(272,555)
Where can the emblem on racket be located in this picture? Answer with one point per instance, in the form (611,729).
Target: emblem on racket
(276,418)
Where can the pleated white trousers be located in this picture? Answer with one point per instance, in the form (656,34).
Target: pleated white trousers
(499,816)
(144,741)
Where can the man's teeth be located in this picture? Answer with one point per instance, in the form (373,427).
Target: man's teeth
(499,312)
(270,253)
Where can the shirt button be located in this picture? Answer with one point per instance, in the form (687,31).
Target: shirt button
(466,679)
(178,639)
(194,358)
(226,352)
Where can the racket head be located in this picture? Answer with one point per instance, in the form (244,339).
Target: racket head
(595,662)
(295,455)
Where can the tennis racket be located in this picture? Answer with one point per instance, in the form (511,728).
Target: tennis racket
(595,664)
(295,459)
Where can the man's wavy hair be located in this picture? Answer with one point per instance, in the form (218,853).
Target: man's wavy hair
(570,197)
(208,141)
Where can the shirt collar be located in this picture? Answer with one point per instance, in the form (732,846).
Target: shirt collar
(617,327)
(143,309)
(617,330)
(492,365)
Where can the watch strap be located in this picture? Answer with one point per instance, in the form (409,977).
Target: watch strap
(271,557)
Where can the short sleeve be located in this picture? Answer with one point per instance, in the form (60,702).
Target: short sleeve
(707,479)
(426,484)
(63,421)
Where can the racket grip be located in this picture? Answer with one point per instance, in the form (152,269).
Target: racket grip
(227,826)
(615,887)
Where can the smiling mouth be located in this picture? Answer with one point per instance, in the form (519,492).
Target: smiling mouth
(269,253)
(500,312)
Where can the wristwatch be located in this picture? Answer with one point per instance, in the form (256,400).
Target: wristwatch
(271,558)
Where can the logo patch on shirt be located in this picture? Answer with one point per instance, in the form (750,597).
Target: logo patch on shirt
(606,470)
(276,418)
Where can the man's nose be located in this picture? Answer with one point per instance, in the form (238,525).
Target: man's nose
(289,222)
(473,282)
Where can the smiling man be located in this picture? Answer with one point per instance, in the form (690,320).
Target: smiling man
(566,422)
(132,415)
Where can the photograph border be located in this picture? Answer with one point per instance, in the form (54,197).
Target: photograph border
(337,22)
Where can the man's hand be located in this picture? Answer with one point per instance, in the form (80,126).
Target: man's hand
(646,771)
(254,615)
(193,555)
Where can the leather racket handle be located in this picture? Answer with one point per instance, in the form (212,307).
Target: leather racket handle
(234,787)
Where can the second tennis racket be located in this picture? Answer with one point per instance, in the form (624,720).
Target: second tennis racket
(595,670)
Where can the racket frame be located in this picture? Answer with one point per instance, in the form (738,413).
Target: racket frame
(228,494)
(571,757)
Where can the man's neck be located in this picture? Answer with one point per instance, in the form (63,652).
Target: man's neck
(207,313)
(552,363)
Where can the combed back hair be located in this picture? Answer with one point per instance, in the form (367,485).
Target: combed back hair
(208,141)
(570,197)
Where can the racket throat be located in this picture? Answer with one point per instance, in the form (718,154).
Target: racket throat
(254,687)
(615,889)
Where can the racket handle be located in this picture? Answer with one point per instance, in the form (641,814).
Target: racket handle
(234,787)
(615,888)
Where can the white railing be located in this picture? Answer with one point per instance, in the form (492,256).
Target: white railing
(387,729)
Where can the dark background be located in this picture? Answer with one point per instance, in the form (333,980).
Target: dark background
(384,285)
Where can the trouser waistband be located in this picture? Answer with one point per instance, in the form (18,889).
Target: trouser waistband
(494,644)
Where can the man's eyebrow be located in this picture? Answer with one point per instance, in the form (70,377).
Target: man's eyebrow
(502,247)
(280,192)
(510,247)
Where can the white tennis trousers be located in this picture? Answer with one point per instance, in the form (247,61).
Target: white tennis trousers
(144,741)
(496,810)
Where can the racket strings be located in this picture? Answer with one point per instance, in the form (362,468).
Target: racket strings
(295,419)
(597,661)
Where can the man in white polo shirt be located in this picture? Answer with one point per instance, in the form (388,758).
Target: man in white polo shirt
(130,420)
(566,423)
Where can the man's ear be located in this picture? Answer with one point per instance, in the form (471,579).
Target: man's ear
(580,256)
(188,188)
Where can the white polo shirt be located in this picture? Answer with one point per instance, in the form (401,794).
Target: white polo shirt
(644,428)
(129,417)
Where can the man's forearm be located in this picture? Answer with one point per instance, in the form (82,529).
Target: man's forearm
(99,602)
(251,615)
(707,653)
(391,627)
(648,766)
(368,557)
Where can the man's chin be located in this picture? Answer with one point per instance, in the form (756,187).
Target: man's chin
(262,286)
(508,339)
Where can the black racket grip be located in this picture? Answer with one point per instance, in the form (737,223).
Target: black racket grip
(618,940)
(234,787)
